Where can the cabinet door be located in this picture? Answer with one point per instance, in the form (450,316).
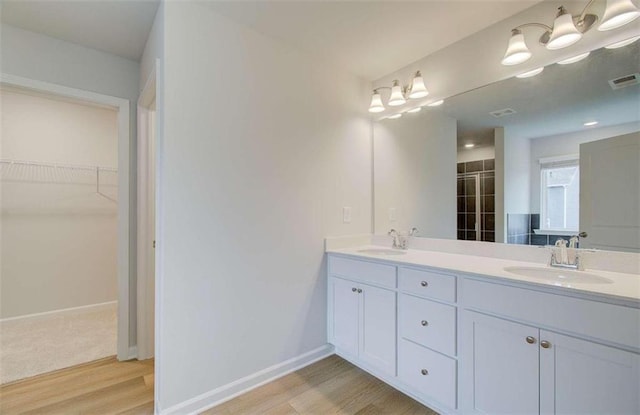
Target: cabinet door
(500,366)
(581,377)
(378,328)
(344,315)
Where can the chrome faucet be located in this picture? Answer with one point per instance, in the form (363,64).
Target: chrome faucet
(396,238)
(563,257)
(401,241)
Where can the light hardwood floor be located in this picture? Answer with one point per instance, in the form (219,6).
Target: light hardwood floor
(105,386)
(330,386)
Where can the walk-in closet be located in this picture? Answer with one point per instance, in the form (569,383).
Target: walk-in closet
(59,218)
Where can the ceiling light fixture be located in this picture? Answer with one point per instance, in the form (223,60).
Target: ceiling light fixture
(394,116)
(590,123)
(531,73)
(622,43)
(568,29)
(414,110)
(436,103)
(399,94)
(574,59)
(469,145)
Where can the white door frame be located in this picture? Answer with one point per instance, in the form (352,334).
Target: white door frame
(146,221)
(122,106)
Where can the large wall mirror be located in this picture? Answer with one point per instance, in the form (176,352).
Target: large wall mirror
(523,160)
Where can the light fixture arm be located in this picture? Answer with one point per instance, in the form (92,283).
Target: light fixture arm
(584,11)
(543,26)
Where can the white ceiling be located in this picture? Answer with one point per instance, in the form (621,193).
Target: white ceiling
(370,38)
(120,27)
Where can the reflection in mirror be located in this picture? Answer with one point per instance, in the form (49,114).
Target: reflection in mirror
(524,160)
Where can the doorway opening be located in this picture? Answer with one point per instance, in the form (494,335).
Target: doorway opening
(64,180)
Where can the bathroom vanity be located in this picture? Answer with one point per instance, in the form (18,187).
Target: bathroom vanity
(462,335)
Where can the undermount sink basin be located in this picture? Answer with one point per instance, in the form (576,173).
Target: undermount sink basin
(381,251)
(559,275)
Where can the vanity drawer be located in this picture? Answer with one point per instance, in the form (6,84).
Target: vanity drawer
(428,373)
(609,322)
(428,323)
(428,284)
(380,274)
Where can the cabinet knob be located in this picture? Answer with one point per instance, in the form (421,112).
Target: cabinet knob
(424,322)
(359,290)
(531,339)
(545,344)
(354,289)
(424,283)
(424,372)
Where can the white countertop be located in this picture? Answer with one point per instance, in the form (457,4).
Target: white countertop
(624,286)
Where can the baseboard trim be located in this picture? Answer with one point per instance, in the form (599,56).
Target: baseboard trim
(133,352)
(64,312)
(229,391)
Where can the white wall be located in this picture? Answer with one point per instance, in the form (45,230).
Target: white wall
(59,241)
(262,148)
(415,174)
(564,144)
(476,153)
(517,180)
(35,56)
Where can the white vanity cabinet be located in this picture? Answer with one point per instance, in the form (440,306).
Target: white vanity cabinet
(464,343)
(509,367)
(362,317)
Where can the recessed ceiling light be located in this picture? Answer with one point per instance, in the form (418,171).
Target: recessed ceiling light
(574,59)
(622,43)
(416,109)
(394,116)
(435,104)
(531,73)
(590,123)
(469,145)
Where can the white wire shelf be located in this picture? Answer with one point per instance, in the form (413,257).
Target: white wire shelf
(21,171)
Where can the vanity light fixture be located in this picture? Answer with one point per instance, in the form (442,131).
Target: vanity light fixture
(618,13)
(531,73)
(414,110)
(574,59)
(394,116)
(622,43)
(436,103)
(590,123)
(399,93)
(568,29)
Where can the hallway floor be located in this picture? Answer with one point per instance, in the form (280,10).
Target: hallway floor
(105,386)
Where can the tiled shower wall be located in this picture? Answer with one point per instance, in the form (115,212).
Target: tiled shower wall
(520,228)
(468,200)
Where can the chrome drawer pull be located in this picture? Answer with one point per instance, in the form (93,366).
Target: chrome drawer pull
(530,339)
(424,283)
(424,322)
(424,372)
(354,289)
(545,344)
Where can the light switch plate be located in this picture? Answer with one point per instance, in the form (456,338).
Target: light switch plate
(346,214)
(392,215)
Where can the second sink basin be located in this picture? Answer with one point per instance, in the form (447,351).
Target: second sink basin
(559,275)
(381,251)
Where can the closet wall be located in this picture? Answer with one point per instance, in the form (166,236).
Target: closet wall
(58,235)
